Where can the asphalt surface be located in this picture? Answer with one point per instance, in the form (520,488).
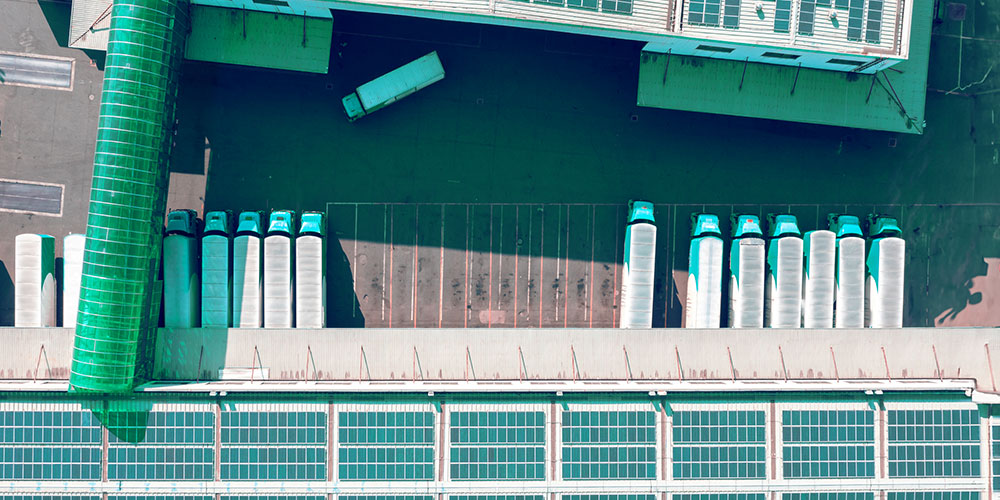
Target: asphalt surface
(525,120)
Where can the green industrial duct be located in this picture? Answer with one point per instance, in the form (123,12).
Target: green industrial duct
(118,300)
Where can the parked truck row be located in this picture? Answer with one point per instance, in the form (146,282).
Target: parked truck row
(253,272)
(217,273)
(777,279)
(244,274)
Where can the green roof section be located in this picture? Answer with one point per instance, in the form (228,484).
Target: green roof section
(891,100)
(224,33)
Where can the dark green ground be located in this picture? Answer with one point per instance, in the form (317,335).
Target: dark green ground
(534,117)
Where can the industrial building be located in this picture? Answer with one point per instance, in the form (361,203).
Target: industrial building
(741,43)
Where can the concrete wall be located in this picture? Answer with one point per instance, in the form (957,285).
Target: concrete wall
(50,350)
(336,354)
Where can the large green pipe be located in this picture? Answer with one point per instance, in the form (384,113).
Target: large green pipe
(118,307)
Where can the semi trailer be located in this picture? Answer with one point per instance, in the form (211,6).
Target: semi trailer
(849,290)
(783,295)
(279,270)
(216,279)
(310,271)
(746,273)
(884,277)
(34,280)
(248,259)
(703,307)
(181,266)
(819,259)
(638,265)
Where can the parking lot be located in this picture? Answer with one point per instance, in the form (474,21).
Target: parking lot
(497,196)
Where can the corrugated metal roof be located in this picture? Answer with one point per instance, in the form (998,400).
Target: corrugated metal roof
(827,31)
(279,39)
(90,24)
(821,97)
(654,20)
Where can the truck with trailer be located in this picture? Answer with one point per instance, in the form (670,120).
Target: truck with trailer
(884,277)
(783,294)
(638,266)
(849,289)
(279,270)
(34,280)
(703,306)
(248,261)
(216,279)
(746,273)
(310,271)
(393,86)
(819,258)
(181,266)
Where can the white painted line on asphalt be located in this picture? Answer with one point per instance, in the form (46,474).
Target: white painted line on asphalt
(517,248)
(354,270)
(565,280)
(385,227)
(527,306)
(590,289)
(416,250)
(441,275)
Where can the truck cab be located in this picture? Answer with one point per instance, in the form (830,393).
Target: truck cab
(746,226)
(218,223)
(282,223)
(783,225)
(312,224)
(882,226)
(845,225)
(250,224)
(640,211)
(705,225)
(183,222)
(353,107)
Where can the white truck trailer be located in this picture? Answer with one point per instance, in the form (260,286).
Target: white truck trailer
(885,264)
(703,307)
(638,265)
(279,270)
(819,258)
(310,272)
(248,259)
(181,266)
(746,273)
(73,245)
(216,280)
(393,86)
(34,280)
(783,295)
(849,297)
